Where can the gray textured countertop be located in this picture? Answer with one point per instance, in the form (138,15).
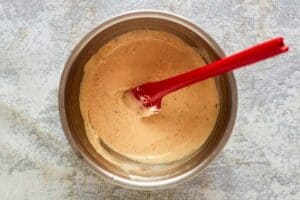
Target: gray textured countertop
(261,160)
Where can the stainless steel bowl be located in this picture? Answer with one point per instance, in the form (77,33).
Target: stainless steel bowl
(69,98)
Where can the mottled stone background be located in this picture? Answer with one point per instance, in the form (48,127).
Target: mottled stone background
(262,159)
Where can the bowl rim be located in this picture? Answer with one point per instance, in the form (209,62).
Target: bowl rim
(129,183)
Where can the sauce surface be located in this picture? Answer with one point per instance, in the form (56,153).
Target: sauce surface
(187,116)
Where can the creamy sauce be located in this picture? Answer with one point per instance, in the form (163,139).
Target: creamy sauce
(187,116)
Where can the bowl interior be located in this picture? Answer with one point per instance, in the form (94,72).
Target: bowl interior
(70,110)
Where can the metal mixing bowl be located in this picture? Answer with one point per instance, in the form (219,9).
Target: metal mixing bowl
(69,98)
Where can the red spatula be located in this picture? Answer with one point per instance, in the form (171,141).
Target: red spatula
(150,94)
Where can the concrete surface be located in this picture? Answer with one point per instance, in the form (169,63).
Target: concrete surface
(262,159)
